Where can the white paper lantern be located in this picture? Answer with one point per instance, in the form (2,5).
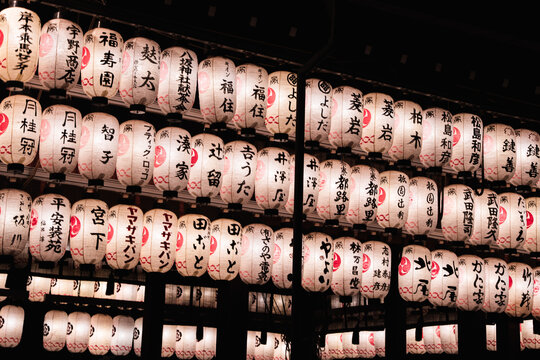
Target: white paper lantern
(177,81)
(282,350)
(192,245)
(520,290)
(283,258)
(281,112)
(436,137)
(238,181)
(256,254)
(125,292)
(496,285)
(335,346)
(375,270)
(423,206)
(172,159)
(414,273)
(78,332)
(272,179)
(37,288)
(100,334)
(318,104)
(158,240)
(177,294)
(264,351)
(137,336)
(251,343)
(347,266)
(101,65)
(207,164)
(491,337)
(535,310)
(98,146)
(168,341)
(380,339)
(122,335)
(206,348)
(512,221)
(444,278)
(471,284)
(458,212)
(407,132)
(346,118)
(413,346)
(225,243)
(100,291)
(486,218)
(532,217)
(15,208)
(350,350)
(217,89)
(432,339)
(499,152)
(60,54)
(11,325)
(62,287)
(317,257)
(378,123)
(124,237)
(333,201)
(310,192)
(449,338)
(205,297)
(140,293)
(20,29)
(88,231)
(364,194)
(392,209)
(251,103)
(527,158)
(54,330)
(20,124)
(530,339)
(467,142)
(86,288)
(186,340)
(367,345)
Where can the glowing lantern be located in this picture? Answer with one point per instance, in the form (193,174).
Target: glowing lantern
(520,290)
(272,179)
(491,337)
(251,83)
(378,123)
(172,160)
(37,288)
(413,346)
(281,112)
(530,339)
(11,325)
(527,158)
(366,347)
(177,294)
(217,89)
(535,311)
(238,181)
(125,292)
(98,147)
(100,334)
(335,346)
(282,258)
(379,339)
(251,343)
(186,338)
(364,192)
(375,270)
(101,66)
(436,137)
(177,81)
(346,275)
(168,341)
(20,124)
(532,217)
(407,132)
(158,240)
(78,332)
(225,243)
(137,336)
(333,201)
(54,330)
(346,118)
(317,257)
(263,351)
(207,164)
(423,206)
(100,290)
(458,212)
(318,109)
(282,348)
(414,273)
(124,237)
(499,152)
(350,350)
(63,287)
(15,208)
(496,285)
(470,293)
(466,143)
(512,221)
(392,209)
(88,231)
(3,278)
(122,335)
(19,44)
(486,218)
(206,348)
(256,254)
(449,338)
(311,188)
(444,278)
(205,297)
(140,293)
(193,245)
(432,339)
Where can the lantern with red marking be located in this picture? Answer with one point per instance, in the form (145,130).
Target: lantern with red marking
(282,258)
(333,201)
(137,336)
(347,264)
(432,339)
(186,339)
(124,237)
(496,285)
(491,337)
(317,259)
(436,138)
(101,66)
(499,152)
(251,102)
(486,218)
(364,193)
(256,254)
(15,209)
(423,206)
(467,143)
(272,179)
(414,273)
(378,123)
(192,245)
(217,89)
(458,212)
(122,335)
(407,132)
(100,334)
(207,164)
(168,341)
(225,243)
(281,112)
(78,332)
(350,350)
(37,288)
(530,339)
(379,340)
(346,118)
(512,221)
(520,290)
(11,325)
(334,345)
(311,188)
(444,278)
(205,349)
(527,158)
(471,284)
(318,109)
(414,346)
(532,220)
(88,231)
(54,330)
(159,230)
(238,182)
(535,308)
(449,338)
(392,209)
(375,270)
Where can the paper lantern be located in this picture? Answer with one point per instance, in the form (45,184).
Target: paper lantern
(238,181)
(407,132)
(125,292)
(367,345)
(251,343)
(205,297)
(193,245)
(49,227)
(158,240)
(496,285)
(347,266)
(86,288)
(436,137)
(466,143)
(217,89)
(207,165)
(283,258)
(520,290)
(530,339)
(350,350)
(260,302)
(471,284)
(335,346)
(491,337)
(318,104)
(423,206)
(378,123)
(499,152)
(444,278)
(392,209)
(256,254)
(449,338)
(20,124)
(98,146)
(225,243)
(11,325)
(282,347)
(272,179)
(60,55)
(124,237)
(172,160)
(88,231)
(251,102)
(333,201)
(62,287)
(512,221)
(375,270)
(364,192)
(101,65)
(263,351)
(15,208)
(186,338)
(3,278)
(206,348)
(317,257)
(37,288)
(535,311)
(532,217)
(78,332)
(414,273)
(282,305)
(140,293)
(100,334)
(122,335)
(177,294)
(486,218)
(100,290)
(281,109)
(54,330)
(137,336)
(380,338)
(527,158)
(168,341)
(432,339)
(346,118)
(413,346)
(19,29)
(458,212)
(310,192)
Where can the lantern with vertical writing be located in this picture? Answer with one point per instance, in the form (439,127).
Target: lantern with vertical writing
(471,284)
(272,179)
(407,132)
(458,212)
(207,164)
(496,285)
(436,137)
(54,330)
(78,332)
(100,334)
(527,158)
(238,182)
(392,209)
(88,231)
(256,254)
(333,201)
(499,152)
(317,258)
(122,335)
(467,142)
(225,243)
(282,258)
(205,349)
(347,266)
(375,270)
(11,325)
(251,102)
(449,338)
(363,195)
(186,339)
(192,245)
(172,160)
(486,218)
(137,336)
(217,89)
(311,187)
(444,278)
(318,108)
(378,123)
(159,229)
(512,221)
(15,208)
(423,206)
(346,118)
(520,290)
(281,109)
(414,273)
(432,339)
(535,308)
(532,219)
(124,237)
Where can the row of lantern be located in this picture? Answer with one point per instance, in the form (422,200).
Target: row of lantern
(434,340)
(276,346)
(342,345)
(185,295)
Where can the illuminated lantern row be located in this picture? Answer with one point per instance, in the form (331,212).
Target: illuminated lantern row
(225,243)
(186,340)
(407,131)
(251,92)
(272,179)
(392,205)
(471,284)
(375,270)
(444,278)
(311,188)
(436,137)
(363,195)
(423,207)
(78,332)
(512,221)
(347,266)
(414,273)
(318,109)
(466,143)
(378,123)
(496,285)
(413,346)
(520,290)
(256,254)
(172,159)
(346,118)
(458,212)
(99,342)
(317,259)
(88,231)
(122,335)
(449,338)
(217,89)
(282,258)
(499,152)
(124,237)
(281,112)
(54,330)
(15,208)
(333,201)
(192,245)
(491,337)
(527,158)
(158,240)
(11,325)
(432,339)
(205,175)
(532,218)
(486,218)
(239,171)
